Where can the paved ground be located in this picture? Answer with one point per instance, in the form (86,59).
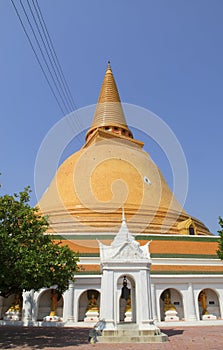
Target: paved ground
(180,338)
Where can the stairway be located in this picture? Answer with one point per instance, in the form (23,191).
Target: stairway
(130,333)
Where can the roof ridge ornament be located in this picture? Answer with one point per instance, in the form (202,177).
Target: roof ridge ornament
(109,65)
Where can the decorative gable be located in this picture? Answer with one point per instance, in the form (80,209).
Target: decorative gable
(127,252)
(124,248)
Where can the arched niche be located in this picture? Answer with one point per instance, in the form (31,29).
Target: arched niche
(208,303)
(126,303)
(6,303)
(171,298)
(187,227)
(84,300)
(44,305)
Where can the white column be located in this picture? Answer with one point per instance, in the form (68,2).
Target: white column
(34,306)
(107,299)
(149,294)
(220,300)
(143,296)
(144,300)
(154,308)
(190,304)
(133,291)
(68,313)
(27,306)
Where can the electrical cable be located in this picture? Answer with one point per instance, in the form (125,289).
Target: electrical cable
(49,42)
(50,60)
(53,66)
(38,60)
(54,56)
(52,51)
(43,56)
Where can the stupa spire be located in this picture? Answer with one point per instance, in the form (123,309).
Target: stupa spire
(109,90)
(109,114)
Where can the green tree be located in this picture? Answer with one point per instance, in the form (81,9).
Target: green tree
(29,259)
(220,242)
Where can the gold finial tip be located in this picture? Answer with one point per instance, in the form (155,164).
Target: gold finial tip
(109,65)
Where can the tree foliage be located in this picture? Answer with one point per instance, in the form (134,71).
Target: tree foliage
(29,259)
(220,242)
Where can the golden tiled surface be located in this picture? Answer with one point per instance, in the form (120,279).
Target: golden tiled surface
(111,171)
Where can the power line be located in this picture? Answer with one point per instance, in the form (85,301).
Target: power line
(44,58)
(52,65)
(53,52)
(50,59)
(56,61)
(35,53)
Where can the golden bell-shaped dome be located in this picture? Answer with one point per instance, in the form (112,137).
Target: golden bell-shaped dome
(111,171)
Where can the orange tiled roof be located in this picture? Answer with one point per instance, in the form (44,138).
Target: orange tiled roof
(156,247)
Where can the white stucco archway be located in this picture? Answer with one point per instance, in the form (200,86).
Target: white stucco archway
(83,302)
(176,301)
(121,303)
(44,305)
(208,298)
(5,303)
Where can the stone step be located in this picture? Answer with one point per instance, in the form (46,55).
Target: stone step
(127,325)
(128,333)
(134,339)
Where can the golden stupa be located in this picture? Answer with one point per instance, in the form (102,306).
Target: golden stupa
(112,171)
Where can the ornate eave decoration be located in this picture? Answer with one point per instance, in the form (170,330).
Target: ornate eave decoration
(124,248)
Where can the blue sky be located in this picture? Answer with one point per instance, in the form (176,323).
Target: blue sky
(166,56)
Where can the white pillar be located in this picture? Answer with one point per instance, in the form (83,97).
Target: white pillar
(133,291)
(154,301)
(34,306)
(107,298)
(190,303)
(143,296)
(68,312)
(149,294)
(220,300)
(27,306)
